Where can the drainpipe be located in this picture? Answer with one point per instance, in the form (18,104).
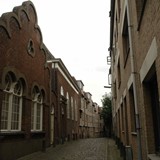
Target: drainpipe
(130,27)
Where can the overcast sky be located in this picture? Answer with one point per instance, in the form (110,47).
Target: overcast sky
(77,31)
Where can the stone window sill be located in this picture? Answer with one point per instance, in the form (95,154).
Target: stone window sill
(134,133)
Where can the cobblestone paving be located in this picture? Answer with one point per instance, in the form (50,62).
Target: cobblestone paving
(83,149)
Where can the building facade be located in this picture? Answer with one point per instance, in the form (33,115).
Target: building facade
(65,97)
(134,51)
(89,115)
(40,101)
(24,84)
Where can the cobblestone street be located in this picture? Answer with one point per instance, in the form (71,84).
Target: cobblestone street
(83,149)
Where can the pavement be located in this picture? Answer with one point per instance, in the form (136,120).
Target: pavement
(82,149)
(113,153)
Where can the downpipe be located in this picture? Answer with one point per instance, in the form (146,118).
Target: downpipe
(130,26)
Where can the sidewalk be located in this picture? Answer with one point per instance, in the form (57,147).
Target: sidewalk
(113,152)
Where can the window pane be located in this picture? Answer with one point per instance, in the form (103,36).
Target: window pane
(36,115)
(8,82)
(4,116)
(32,117)
(15,113)
(18,88)
(38,118)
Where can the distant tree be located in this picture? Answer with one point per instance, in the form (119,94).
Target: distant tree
(106,114)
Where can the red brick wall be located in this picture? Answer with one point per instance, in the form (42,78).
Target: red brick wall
(61,81)
(16,29)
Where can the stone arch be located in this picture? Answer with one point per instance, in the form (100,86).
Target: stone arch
(62,91)
(11,73)
(25,87)
(34,86)
(44,94)
(15,77)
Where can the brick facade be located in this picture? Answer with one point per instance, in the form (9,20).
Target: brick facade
(134,49)
(89,115)
(18,33)
(38,89)
(65,85)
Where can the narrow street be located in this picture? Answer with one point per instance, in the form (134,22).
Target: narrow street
(83,149)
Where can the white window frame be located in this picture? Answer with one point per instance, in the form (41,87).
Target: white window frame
(62,91)
(11,93)
(68,106)
(72,111)
(35,103)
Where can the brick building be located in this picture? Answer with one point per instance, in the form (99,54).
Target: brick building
(24,84)
(82,116)
(96,121)
(89,113)
(39,99)
(65,97)
(134,51)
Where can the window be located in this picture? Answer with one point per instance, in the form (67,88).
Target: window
(52,109)
(125,36)
(152,109)
(140,6)
(132,110)
(114,90)
(119,74)
(68,106)
(119,126)
(126,121)
(36,110)
(110,77)
(122,116)
(12,105)
(116,29)
(80,114)
(119,7)
(76,118)
(30,48)
(72,108)
(82,103)
(62,91)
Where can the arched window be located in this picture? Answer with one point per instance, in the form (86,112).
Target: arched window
(62,91)
(72,108)
(76,116)
(36,110)
(12,105)
(68,106)
(52,109)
